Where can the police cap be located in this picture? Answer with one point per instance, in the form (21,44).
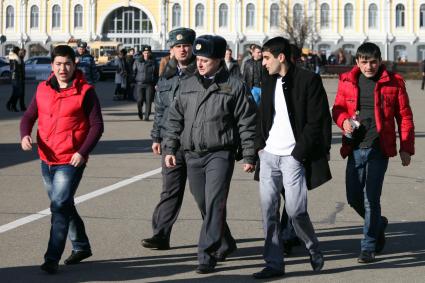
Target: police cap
(181,36)
(210,46)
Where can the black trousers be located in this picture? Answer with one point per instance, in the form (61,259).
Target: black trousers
(18,95)
(144,95)
(168,208)
(209,178)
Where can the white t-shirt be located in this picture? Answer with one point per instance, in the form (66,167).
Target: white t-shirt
(281,140)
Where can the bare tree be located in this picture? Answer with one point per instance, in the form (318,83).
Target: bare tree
(296,24)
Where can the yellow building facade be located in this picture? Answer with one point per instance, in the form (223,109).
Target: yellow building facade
(397,26)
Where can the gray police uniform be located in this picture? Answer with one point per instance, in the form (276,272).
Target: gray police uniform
(173,179)
(209,121)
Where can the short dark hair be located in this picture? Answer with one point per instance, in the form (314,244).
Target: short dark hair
(123,51)
(368,50)
(255,46)
(295,52)
(278,45)
(63,51)
(15,49)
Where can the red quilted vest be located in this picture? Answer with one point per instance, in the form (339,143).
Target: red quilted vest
(62,123)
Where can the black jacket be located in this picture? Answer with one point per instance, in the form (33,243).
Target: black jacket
(253,73)
(17,67)
(234,69)
(308,111)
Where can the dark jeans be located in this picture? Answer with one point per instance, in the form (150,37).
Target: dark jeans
(144,95)
(423,83)
(168,208)
(61,182)
(18,94)
(209,178)
(365,173)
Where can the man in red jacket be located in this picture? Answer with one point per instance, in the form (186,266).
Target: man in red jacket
(69,126)
(368,102)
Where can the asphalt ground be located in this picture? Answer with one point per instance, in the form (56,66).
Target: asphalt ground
(119,218)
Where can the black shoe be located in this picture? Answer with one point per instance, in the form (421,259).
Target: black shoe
(156,243)
(9,106)
(50,267)
(221,256)
(77,256)
(366,257)
(317,261)
(380,243)
(13,108)
(268,272)
(205,268)
(23,108)
(146,118)
(140,116)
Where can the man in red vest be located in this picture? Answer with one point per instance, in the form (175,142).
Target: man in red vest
(69,126)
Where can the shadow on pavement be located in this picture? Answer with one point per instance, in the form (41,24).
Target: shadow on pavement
(11,153)
(405,248)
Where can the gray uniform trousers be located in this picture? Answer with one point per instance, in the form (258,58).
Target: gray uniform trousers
(168,208)
(209,178)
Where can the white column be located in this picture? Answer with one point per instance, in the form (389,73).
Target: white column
(45,17)
(93,4)
(213,15)
(68,11)
(412,17)
(163,18)
(362,17)
(186,15)
(336,16)
(261,16)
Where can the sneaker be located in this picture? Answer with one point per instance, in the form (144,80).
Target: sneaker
(50,267)
(269,272)
(156,243)
(77,257)
(380,242)
(205,268)
(317,261)
(366,257)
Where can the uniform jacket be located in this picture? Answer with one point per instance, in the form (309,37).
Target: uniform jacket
(217,118)
(87,65)
(145,72)
(391,104)
(308,111)
(167,87)
(62,124)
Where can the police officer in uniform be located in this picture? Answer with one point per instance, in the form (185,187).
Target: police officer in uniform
(210,116)
(173,180)
(145,72)
(85,62)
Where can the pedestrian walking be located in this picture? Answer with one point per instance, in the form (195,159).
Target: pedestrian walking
(181,65)
(85,62)
(121,75)
(17,72)
(368,102)
(69,126)
(145,71)
(210,116)
(290,142)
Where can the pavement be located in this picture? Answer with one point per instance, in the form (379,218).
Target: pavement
(122,184)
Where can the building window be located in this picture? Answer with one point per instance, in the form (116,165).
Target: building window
(422,16)
(34,16)
(250,15)
(399,16)
(199,15)
(10,17)
(373,16)
(78,16)
(177,11)
(274,15)
(223,11)
(324,15)
(298,16)
(348,15)
(400,53)
(56,16)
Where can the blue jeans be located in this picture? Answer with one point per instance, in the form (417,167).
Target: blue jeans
(365,173)
(61,182)
(277,172)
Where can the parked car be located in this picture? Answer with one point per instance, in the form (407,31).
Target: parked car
(37,68)
(107,71)
(4,70)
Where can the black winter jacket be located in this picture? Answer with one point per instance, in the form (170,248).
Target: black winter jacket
(145,72)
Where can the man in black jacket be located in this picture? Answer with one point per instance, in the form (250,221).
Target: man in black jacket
(145,72)
(292,118)
(208,119)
